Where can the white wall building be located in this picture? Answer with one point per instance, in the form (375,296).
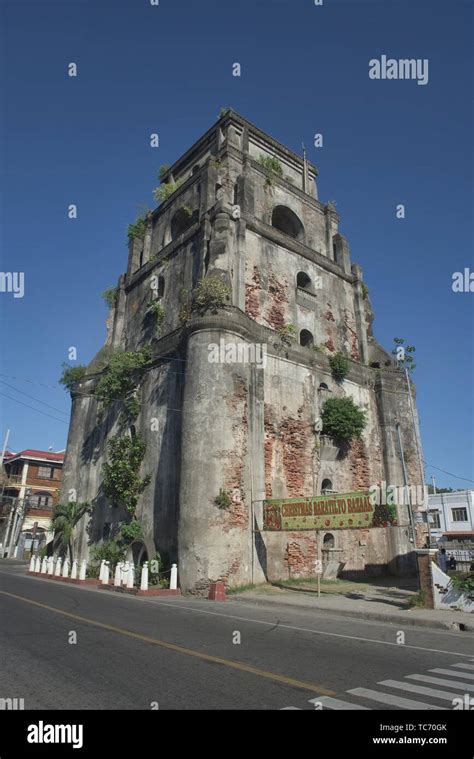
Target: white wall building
(452,515)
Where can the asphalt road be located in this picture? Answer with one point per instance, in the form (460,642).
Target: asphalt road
(181,653)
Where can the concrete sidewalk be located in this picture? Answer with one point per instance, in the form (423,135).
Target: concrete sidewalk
(376,608)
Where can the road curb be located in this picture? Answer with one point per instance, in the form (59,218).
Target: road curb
(395,619)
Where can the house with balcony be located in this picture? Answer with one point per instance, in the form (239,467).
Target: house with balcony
(29,488)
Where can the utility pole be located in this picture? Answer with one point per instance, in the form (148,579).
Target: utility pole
(5,443)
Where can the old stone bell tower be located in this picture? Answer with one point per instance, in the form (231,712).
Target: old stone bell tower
(222,436)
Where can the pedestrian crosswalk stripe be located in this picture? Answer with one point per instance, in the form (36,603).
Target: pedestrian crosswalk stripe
(442,694)
(388,698)
(439,671)
(464,666)
(442,681)
(335,703)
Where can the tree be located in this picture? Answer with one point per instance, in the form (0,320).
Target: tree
(342,419)
(404,354)
(64,520)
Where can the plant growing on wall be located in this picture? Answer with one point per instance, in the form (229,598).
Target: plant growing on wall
(223,111)
(210,294)
(222,500)
(166,189)
(122,482)
(163,170)
(111,551)
(365,291)
(110,296)
(63,522)
(118,382)
(339,366)
(287,334)
(157,313)
(130,531)
(342,419)
(384,515)
(270,163)
(463,583)
(72,375)
(404,355)
(185,306)
(137,229)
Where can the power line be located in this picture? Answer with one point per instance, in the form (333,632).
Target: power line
(34,409)
(37,400)
(456,477)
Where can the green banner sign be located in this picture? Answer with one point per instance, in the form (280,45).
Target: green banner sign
(341,511)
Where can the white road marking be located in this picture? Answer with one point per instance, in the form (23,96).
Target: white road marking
(335,703)
(439,671)
(388,698)
(464,666)
(445,695)
(442,681)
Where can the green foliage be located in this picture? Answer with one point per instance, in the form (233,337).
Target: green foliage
(287,334)
(342,419)
(118,382)
(384,514)
(155,568)
(110,296)
(137,229)
(109,550)
(63,522)
(223,499)
(418,600)
(157,311)
(163,170)
(185,307)
(223,112)
(463,583)
(339,367)
(72,375)
(210,294)
(122,482)
(166,189)
(270,163)
(131,531)
(404,355)
(365,291)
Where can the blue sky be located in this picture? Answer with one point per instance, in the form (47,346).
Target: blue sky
(168,69)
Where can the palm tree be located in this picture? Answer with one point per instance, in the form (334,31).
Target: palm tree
(64,520)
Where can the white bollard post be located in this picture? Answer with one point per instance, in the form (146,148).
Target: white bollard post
(124,572)
(101,571)
(144,578)
(51,565)
(57,571)
(38,564)
(44,566)
(82,571)
(66,567)
(74,570)
(174,577)
(130,575)
(32,564)
(118,573)
(105,574)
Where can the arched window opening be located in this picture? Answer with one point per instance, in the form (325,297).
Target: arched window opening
(302,280)
(328,540)
(180,222)
(326,487)
(323,386)
(161,287)
(236,195)
(306,338)
(286,221)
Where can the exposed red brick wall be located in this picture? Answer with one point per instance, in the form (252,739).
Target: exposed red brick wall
(293,438)
(279,297)
(359,465)
(301,554)
(252,290)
